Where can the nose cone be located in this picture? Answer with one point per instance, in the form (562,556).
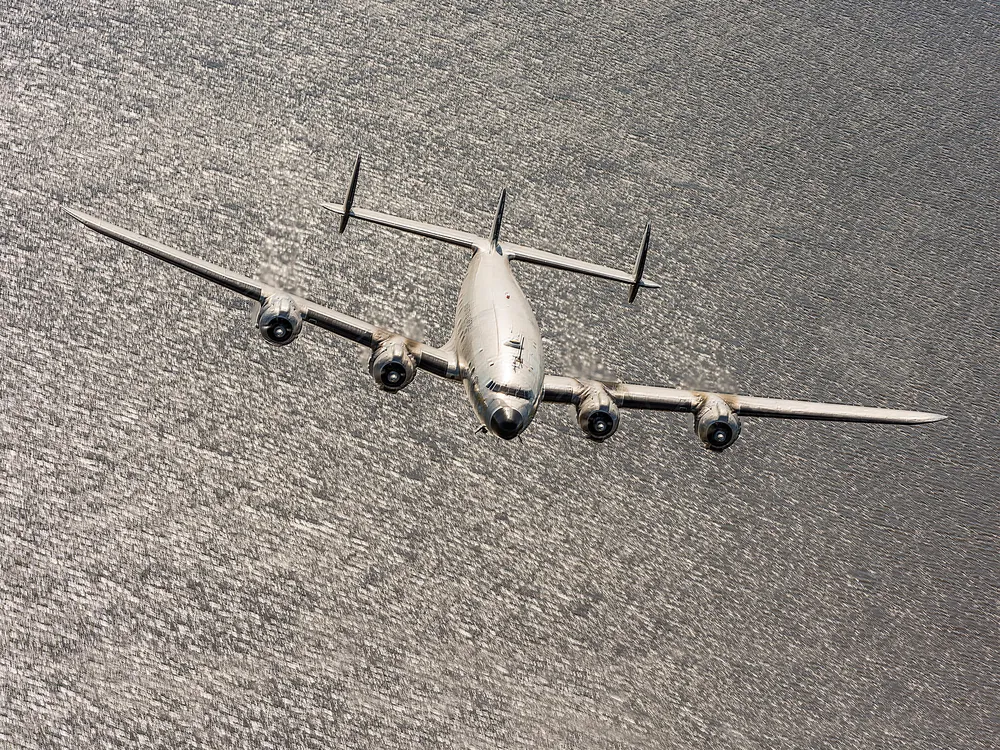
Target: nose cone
(506,423)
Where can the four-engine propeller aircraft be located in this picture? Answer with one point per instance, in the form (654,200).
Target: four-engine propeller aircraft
(495,348)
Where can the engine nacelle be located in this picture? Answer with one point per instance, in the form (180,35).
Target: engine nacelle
(715,424)
(279,320)
(597,413)
(392,365)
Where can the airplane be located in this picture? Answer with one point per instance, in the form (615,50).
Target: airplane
(496,349)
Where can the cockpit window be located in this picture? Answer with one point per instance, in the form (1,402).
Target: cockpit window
(510,390)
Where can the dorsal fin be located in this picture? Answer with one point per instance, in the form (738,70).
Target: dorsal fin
(497,220)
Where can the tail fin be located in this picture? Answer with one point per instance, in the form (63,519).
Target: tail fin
(497,220)
(640,265)
(349,198)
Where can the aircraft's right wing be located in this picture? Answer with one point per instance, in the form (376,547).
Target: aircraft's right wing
(714,413)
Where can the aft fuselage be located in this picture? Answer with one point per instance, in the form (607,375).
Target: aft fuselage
(498,345)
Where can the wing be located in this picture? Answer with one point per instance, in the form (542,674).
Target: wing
(655,398)
(439,361)
(711,409)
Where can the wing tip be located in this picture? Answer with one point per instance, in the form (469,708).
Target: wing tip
(75,213)
(896,416)
(89,221)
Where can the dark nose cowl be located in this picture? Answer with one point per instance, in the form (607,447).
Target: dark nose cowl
(506,423)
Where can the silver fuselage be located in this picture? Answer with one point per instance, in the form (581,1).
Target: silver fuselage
(498,345)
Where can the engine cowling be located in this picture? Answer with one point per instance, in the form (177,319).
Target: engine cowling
(279,320)
(715,424)
(597,413)
(392,366)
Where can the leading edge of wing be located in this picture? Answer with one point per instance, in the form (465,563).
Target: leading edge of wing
(631,396)
(440,361)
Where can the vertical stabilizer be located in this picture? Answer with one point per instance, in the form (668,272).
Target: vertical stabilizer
(498,220)
(640,265)
(349,198)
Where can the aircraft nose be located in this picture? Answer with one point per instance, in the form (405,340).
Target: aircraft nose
(506,423)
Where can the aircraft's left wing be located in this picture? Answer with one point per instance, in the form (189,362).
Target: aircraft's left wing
(716,414)
(284,312)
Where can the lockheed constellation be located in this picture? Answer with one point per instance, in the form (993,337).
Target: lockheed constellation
(495,349)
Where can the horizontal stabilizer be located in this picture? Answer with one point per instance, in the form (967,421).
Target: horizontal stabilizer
(543,258)
(346,211)
(452,236)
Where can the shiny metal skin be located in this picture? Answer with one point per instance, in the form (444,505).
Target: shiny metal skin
(498,346)
(495,348)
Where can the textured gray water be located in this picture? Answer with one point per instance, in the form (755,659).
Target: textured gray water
(208,542)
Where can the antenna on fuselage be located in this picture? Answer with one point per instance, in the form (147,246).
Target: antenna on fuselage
(497,220)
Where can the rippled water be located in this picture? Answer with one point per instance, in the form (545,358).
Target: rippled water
(208,542)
